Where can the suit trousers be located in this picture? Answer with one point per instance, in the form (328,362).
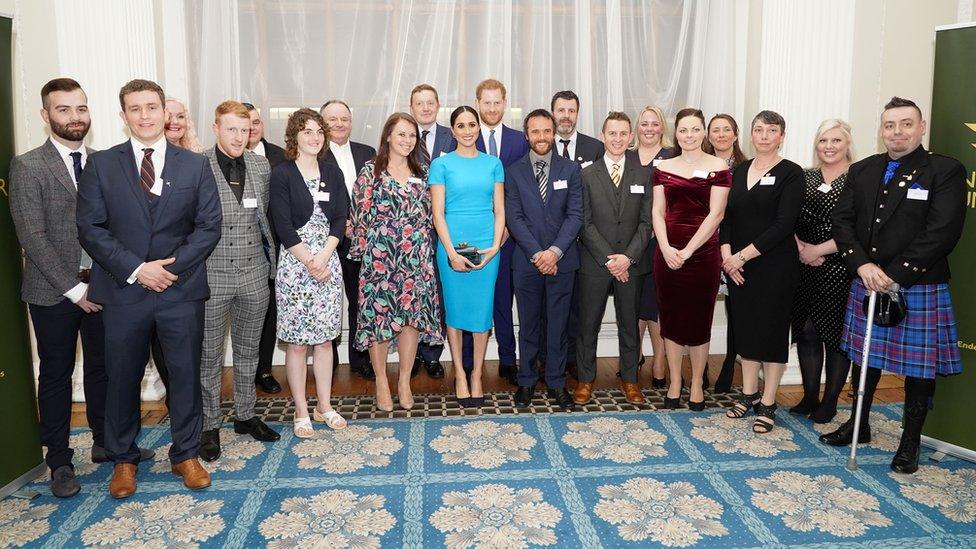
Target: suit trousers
(128,329)
(156,350)
(239,297)
(358,360)
(269,334)
(593,292)
(56,330)
(541,297)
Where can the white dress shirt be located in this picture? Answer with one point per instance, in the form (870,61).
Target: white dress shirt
(343,156)
(78,290)
(572,144)
(430,137)
(619,163)
(159,161)
(486,132)
(259,149)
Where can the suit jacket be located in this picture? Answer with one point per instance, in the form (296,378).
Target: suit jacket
(257,176)
(292,205)
(42,205)
(274,153)
(513,146)
(908,238)
(361,154)
(613,225)
(116,229)
(588,149)
(444,141)
(536,224)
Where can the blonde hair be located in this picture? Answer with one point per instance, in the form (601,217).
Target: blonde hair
(490,84)
(665,138)
(189,140)
(231,107)
(826,126)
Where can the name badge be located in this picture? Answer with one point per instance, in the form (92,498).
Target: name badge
(656,161)
(825,188)
(250,203)
(559,185)
(636,189)
(585,164)
(702,174)
(321,196)
(415,180)
(767,180)
(157,188)
(918,194)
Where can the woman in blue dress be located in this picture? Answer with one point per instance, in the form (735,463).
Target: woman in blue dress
(468,200)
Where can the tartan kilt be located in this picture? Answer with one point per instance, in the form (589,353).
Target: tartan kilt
(924,345)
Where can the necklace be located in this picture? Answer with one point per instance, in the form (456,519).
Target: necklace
(758,168)
(689,162)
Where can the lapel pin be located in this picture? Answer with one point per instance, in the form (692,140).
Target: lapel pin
(901,183)
(909,178)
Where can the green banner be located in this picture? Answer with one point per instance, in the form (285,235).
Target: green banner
(953,133)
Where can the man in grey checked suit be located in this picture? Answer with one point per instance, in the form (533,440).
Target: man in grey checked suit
(237,272)
(43,190)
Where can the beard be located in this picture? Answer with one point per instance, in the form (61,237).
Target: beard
(541,148)
(70,134)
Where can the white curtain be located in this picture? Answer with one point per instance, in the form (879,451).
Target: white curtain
(616,54)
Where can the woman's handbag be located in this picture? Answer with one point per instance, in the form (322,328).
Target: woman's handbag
(890,308)
(468,252)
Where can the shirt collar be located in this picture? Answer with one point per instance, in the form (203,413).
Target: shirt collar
(224,159)
(343,148)
(572,138)
(610,163)
(533,158)
(159,147)
(259,148)
(65,151)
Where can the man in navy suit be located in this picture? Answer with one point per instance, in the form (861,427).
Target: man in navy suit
(149,215)
(544,214)
(508,145)
(435,140)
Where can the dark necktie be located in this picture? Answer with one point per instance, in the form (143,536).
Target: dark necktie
(541,179)
(565,143)
(423,146)
(235,177)
(147,175)
(76,162)
(890,170)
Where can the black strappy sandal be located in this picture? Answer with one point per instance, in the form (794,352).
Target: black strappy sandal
(765,418)
(743,405)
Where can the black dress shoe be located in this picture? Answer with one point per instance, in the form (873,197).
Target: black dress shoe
(434,369)
(906,458)
(417,363)
(98,454)
(845,434)
(509,372)
(258,429)
(523,397)
(268,383)
(209,449)
(562,398)
(64,483)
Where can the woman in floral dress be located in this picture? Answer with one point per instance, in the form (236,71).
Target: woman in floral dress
(392,232)
(308,209)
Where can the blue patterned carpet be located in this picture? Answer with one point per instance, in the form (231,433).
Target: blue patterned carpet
(632,479)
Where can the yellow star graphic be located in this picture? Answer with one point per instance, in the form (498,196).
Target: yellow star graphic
(971,126)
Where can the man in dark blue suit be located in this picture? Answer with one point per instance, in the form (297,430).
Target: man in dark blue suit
(435,140)
(149,215)
(508,145)
(544,214)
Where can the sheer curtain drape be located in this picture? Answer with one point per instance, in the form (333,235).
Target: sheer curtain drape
(616,54)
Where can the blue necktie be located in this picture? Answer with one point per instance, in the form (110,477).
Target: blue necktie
(492,148)
(890,170)
(76,161)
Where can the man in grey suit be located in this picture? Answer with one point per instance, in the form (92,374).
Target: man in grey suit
(43,189)
(237,272)
(616,231)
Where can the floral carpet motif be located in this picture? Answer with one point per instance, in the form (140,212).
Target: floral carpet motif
(621,479)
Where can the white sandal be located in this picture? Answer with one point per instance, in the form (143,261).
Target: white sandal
(330,418)
(302,427)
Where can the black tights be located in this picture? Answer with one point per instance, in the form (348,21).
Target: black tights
(810,350)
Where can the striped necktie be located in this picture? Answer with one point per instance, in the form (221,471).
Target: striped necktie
(541,179)
(615,174)
(423,147)
(147,175)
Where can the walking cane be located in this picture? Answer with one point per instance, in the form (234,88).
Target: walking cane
(852,461)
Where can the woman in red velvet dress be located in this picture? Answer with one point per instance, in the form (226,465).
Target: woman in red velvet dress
(690,192)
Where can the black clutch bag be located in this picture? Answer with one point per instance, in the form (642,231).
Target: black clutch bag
(468,252)
(889,310)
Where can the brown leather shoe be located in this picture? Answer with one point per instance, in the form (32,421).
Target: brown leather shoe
(195,477)
(633,393)
(123,483)
(583,393)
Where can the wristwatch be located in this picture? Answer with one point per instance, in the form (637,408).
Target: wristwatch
(742,258)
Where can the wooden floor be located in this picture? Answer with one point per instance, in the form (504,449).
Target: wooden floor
(890,389)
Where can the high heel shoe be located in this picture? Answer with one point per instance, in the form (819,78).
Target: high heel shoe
(659,383)
(696,406)
(672,403)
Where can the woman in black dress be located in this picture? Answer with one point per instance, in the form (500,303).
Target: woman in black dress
(760,258)
(651,145)
(821,299)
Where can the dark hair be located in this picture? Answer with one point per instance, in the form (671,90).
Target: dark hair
(331,101)
(685,113)
(770,117)
(139,85)
(897,102)
(296,123)
(737,156)
(464,108)
(57,85)
(565,94)
(538,113)
(249,106)
(616,115)
(382,159)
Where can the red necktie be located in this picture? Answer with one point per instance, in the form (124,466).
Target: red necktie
(147,175)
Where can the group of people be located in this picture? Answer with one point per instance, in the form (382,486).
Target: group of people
(159,247)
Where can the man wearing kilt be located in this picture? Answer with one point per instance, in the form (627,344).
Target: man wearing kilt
(895,223)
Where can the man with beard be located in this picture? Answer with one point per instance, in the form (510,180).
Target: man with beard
(43,187)
(544,213)
(569,142)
